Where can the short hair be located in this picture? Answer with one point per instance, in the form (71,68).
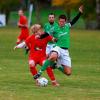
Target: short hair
(63,17)
(35,27)
(51,14)
(21,9)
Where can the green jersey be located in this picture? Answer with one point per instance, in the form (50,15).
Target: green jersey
(50,29)
(63,36)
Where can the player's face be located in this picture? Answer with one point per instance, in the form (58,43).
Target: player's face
(20,12)
(51,18)
(37,34)
(40,32)
(62,22)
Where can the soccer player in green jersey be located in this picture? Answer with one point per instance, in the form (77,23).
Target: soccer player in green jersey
(60,52)
(50,28)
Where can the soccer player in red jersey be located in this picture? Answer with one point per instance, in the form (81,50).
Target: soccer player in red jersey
(23,25)
(37,44)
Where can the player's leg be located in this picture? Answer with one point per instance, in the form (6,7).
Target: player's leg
(25,36)
(63,61)
(49,62)
(67,70)
(66,62)
(50,73)
(19,39)
(49,49)
(48,69)
(32,67)
(33,70)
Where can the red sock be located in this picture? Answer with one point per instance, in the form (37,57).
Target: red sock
(33,70)
(50,73)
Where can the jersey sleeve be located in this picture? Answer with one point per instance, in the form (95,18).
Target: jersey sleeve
(46,28)
(75,19)
(23,20)
(49,38)
(68,25)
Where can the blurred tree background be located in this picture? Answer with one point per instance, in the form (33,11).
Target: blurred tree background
(6,6)
(91,16)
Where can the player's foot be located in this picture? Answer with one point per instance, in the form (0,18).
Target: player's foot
(36,82)
(55,83)
(37,76)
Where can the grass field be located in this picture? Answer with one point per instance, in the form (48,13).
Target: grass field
(84,84)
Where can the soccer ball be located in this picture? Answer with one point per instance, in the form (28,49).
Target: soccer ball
(42,81)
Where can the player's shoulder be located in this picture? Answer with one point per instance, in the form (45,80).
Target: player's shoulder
(31,36)
(46,24)
(55,23)
(67,25)
(24,17)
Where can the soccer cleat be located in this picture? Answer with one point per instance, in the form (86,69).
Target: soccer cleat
(36,82)
(55,83)
(37,76)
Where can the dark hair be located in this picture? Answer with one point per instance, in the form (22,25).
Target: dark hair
(63,17)
(21,8)
(51,14)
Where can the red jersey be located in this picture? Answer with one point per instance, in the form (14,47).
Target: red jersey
(24,30)
(37,46)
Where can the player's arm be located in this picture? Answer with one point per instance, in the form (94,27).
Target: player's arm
(22,25)
(49,36)
(44,35)
(54,39)
(78,16)
(21,45)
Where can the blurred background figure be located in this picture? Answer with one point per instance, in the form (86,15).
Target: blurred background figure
(23,25)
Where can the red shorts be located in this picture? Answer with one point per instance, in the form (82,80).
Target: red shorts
(38,59)
(22,37)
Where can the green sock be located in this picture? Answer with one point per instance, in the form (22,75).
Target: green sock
(61,68)
(45,65)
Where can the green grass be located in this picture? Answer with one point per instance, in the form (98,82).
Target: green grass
(84,84)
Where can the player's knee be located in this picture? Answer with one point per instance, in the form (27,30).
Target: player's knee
(53,56)
(68,73)
(42,62)
(31,63)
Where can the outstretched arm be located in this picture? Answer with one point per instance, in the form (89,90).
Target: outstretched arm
(46,35)
(78,16)
(21,45)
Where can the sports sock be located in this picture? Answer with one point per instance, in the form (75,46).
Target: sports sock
(45,65)
(33,70)
(50,73)
(61,68)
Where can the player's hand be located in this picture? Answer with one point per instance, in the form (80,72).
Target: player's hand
(54,39)
(14,48)
(81,8)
